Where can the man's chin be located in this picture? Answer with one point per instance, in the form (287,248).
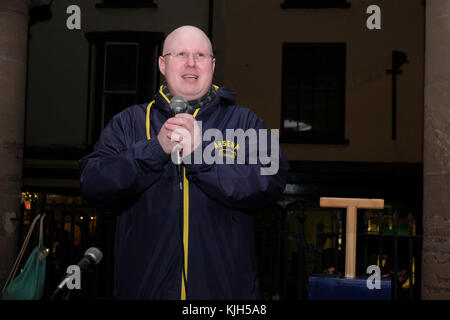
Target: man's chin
(190,96)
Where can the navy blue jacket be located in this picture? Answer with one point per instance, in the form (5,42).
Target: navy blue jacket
(129,173)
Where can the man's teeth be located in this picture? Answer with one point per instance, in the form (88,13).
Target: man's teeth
(190,76)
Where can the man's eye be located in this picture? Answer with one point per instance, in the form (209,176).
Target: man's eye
(200,55)
(180,54)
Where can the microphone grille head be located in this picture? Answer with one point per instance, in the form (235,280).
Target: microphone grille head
(178,105)
(95,254)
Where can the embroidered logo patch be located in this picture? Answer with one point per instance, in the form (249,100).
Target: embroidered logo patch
(226,148)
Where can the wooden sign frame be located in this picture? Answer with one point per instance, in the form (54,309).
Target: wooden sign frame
(352,205)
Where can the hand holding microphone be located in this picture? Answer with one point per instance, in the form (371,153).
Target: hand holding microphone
(183,128)
(181,133)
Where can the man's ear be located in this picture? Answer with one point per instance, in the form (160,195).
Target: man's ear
(162,65)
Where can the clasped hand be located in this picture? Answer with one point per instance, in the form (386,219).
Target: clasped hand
(180,132)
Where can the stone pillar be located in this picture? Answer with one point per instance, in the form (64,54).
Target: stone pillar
(13,54)
(436,210)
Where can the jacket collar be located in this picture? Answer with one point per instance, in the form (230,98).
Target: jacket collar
(163,98)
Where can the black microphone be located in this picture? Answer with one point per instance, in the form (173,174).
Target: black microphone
(92,256)
(178,105)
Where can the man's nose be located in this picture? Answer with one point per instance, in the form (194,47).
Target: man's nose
(190,60)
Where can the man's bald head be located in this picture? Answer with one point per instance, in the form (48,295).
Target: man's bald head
(187,62)
(185,32)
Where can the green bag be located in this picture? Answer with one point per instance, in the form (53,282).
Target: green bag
(29,284)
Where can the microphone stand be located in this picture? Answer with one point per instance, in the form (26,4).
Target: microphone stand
(66,296)
(62,287)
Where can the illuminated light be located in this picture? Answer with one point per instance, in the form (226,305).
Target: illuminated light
(27,205)
(92,218)
(406,284)
(81,218)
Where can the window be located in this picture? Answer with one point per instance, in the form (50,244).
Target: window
(314,4)
(123,72)
(126,4)
(313,93)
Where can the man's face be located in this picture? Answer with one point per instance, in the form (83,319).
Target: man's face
(187,75)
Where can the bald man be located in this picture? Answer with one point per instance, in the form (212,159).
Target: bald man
(197,243)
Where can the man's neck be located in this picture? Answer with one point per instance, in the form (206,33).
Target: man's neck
(197,103)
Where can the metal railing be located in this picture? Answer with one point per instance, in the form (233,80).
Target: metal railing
(383,239)
(286,252)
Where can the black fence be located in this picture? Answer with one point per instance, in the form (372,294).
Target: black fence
(288,254)
(292,242)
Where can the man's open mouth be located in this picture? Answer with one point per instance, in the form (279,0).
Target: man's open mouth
(189,76)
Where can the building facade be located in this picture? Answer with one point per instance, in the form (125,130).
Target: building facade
(343,81)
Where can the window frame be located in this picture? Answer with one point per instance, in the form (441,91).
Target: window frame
(315,4)
(126,4)
(98,41)
(303,138)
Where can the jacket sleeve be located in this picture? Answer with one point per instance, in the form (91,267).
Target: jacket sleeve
(242,185)
(119,169)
